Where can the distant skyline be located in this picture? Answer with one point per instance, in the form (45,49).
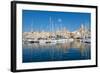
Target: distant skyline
(33,20)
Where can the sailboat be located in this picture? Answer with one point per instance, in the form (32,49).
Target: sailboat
(86,38)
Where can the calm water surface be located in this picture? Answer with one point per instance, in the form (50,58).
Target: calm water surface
(34,52)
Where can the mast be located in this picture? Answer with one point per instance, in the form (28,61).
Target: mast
(32,26)
(60,28)
(50,24)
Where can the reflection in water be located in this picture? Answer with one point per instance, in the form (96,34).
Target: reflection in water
(56,51)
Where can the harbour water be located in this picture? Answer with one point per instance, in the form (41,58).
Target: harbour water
(36,52)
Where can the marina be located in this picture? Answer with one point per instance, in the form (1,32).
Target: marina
(62,45)
(53,39)
(60,36)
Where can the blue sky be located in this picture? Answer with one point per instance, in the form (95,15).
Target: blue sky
(40,20)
